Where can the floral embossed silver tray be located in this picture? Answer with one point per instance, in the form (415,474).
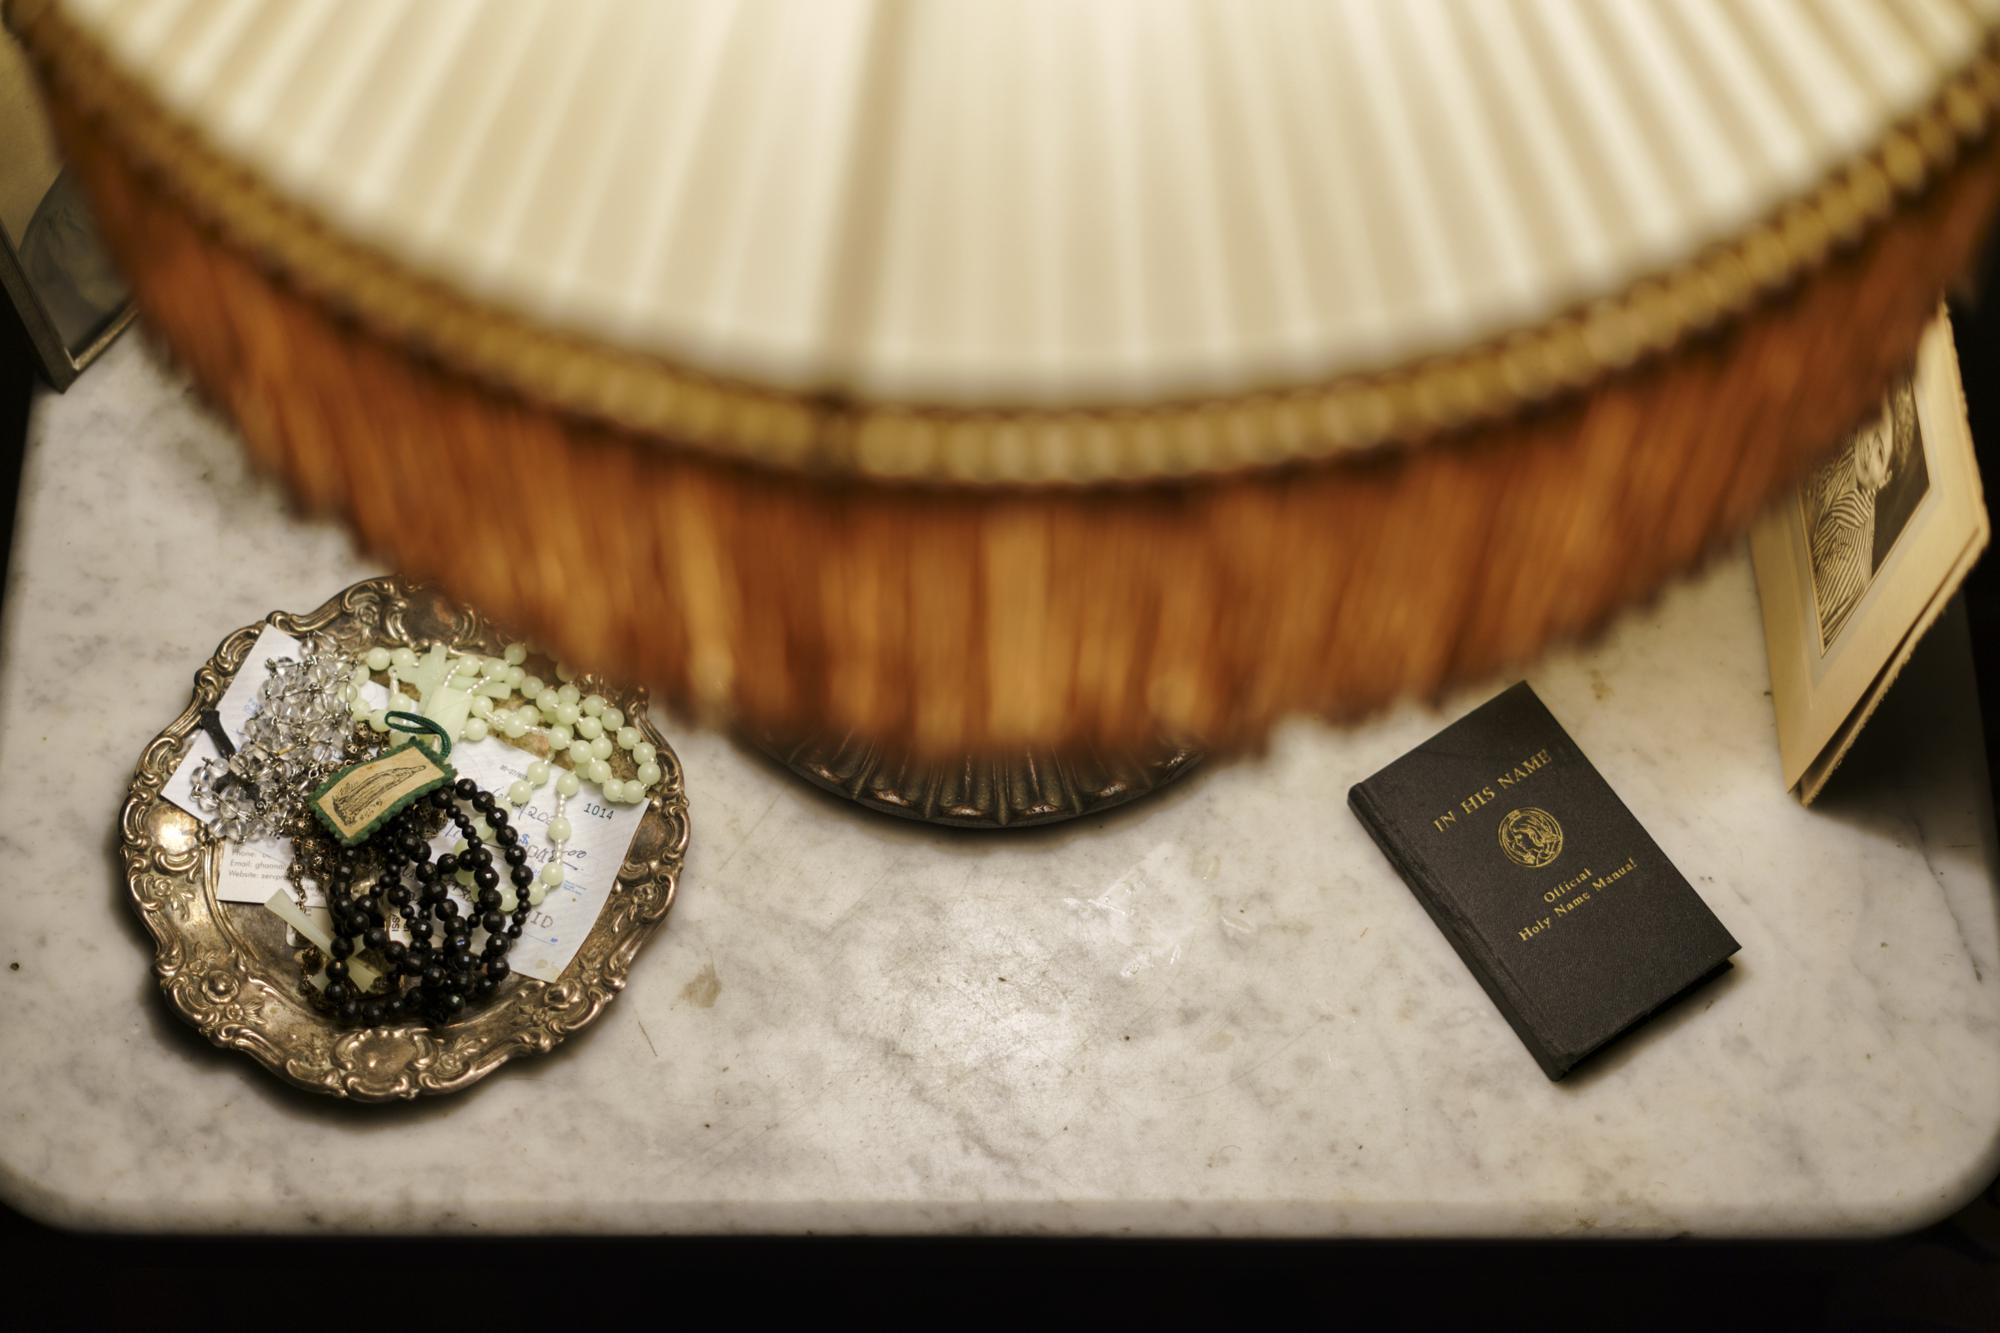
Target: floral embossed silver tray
(232,970)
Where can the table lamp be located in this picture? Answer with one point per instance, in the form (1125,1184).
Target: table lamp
(960,390)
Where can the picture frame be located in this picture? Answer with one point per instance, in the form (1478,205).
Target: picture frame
(1856,563)
(69,300)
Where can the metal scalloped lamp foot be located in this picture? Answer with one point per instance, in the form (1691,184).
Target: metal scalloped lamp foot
(1021,790)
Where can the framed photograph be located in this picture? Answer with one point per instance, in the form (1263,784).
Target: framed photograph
(1854,566)
(56,276)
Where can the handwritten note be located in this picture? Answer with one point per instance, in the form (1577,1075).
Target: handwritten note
(601,832)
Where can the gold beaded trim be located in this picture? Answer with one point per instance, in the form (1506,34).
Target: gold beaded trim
(824,434)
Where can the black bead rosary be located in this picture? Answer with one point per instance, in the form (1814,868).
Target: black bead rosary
(430,981)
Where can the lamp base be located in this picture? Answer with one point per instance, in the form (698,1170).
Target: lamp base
(1019,790)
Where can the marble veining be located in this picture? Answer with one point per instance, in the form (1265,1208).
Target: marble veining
(1217,1011)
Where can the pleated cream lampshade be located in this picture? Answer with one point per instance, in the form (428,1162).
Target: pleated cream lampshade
(967,375)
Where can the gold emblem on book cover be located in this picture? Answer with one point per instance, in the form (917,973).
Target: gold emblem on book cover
(1531,837)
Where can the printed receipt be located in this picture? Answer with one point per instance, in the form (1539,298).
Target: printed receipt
(552,933)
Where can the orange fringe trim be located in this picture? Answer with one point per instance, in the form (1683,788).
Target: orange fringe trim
(950,621)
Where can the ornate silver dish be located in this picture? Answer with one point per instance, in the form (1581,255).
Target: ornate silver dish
(229,968)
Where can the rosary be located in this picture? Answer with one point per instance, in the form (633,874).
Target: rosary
(427,981)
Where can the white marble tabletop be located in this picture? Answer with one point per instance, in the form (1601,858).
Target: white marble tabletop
(1218,1011)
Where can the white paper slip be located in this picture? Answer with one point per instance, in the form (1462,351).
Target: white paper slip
(251,872)
(232,708)
(600,833)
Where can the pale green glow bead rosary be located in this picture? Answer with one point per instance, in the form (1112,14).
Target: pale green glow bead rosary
(587,729)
